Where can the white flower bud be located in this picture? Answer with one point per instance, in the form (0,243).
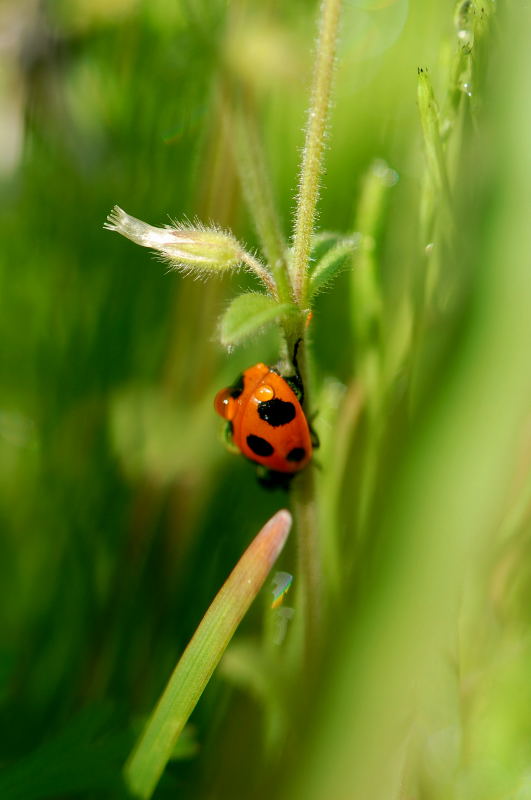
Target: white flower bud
(182,247)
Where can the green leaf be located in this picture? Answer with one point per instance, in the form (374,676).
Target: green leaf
(193,671)
(247,314)
(332,263)
(322,242)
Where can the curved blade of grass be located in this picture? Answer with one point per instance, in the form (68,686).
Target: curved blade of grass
(242,130)
(196,665)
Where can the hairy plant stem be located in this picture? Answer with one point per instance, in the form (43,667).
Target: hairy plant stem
(314,147)
(304,494)
(261,272)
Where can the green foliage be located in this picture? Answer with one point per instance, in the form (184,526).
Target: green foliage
(402,670)
(336,259)
(430,121)
(248,314)
(85,756)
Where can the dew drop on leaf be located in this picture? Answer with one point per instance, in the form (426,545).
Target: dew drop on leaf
(464,24)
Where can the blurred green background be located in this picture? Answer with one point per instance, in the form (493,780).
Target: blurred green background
(120,511)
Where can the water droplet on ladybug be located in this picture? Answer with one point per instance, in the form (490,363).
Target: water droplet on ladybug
(225,404)
(265,393)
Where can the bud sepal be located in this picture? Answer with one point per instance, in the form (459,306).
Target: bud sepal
(184,247)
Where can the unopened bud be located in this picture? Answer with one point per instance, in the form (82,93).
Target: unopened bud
(182,247)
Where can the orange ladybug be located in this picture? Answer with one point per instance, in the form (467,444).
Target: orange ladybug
(266,422)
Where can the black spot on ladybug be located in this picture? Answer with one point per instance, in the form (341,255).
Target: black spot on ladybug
(276,412)
(237,387)
(259,446)
(296,454)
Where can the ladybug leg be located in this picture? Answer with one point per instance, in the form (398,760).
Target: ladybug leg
(295,383)
(314,438)
(270,479)
(295,380)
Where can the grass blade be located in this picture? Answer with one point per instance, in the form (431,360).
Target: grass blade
(194,669)
(435,156)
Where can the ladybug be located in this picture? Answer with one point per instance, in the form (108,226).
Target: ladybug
(266,423)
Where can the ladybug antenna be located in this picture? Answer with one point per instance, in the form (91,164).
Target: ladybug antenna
(295,381)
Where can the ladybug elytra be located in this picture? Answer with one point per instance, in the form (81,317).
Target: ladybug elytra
(266,421)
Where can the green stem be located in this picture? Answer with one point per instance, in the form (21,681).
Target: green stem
(312,161)
(261,272)
(309,560)
(304,490)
